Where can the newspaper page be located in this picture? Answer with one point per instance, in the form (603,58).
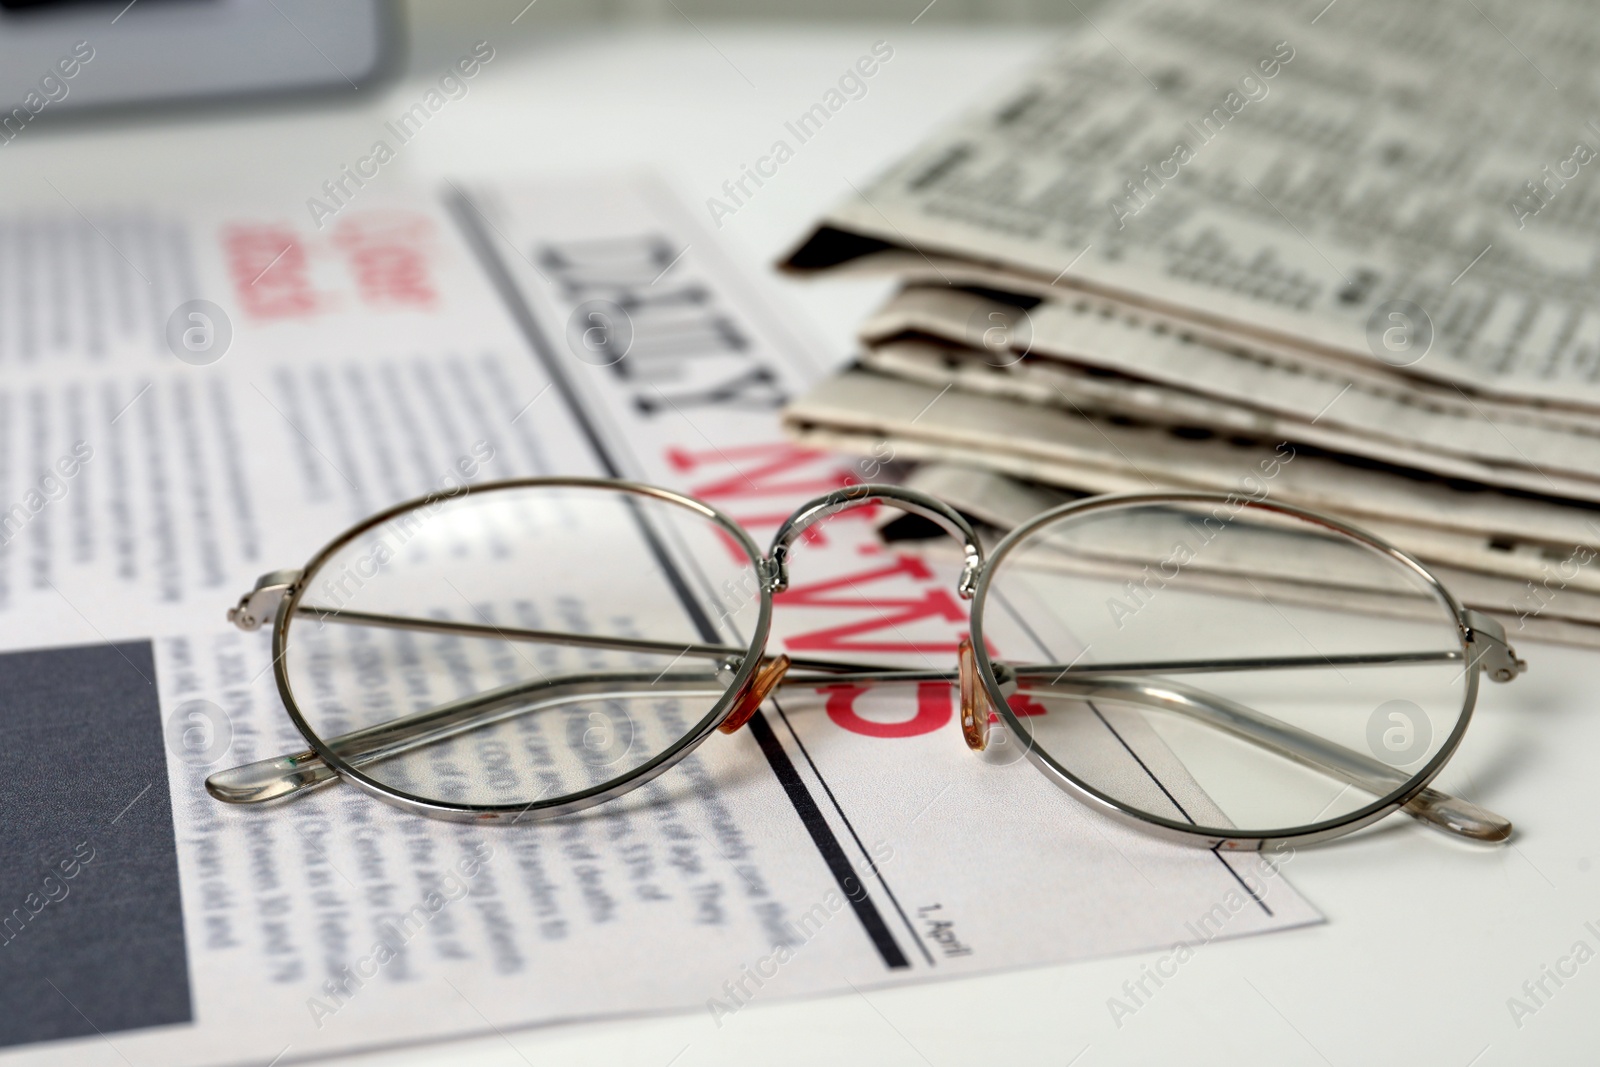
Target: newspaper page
(857,409)
(1059,345)
(1069,386)
(1557,611)
(194,396)
(1406,182)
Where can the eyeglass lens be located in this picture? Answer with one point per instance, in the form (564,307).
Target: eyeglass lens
(1274,673)
(488,717)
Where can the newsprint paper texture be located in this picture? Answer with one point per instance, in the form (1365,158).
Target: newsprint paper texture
(1367,411)
(843,838)
(1291,178)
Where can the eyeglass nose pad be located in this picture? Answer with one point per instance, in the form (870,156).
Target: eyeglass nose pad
(975,707)
(761,683)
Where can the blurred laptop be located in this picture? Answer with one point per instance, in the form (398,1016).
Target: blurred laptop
(60,56)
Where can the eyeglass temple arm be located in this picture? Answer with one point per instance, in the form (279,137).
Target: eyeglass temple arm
(280,777)
(1431,806)
(775,568)
(1492,654)
(1485,638)
(286,775)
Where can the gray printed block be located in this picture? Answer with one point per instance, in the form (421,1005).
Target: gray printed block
(91,922)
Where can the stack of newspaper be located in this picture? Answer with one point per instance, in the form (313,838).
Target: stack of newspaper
(1345,261)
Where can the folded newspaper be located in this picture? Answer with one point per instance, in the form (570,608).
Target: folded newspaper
(194,393)
(1199,237)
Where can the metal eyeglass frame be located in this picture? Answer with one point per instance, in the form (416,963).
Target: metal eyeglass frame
(752,675)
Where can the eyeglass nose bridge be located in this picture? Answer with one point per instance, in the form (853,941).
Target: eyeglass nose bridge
(775,568)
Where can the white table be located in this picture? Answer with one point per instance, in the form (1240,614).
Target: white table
(1426,939)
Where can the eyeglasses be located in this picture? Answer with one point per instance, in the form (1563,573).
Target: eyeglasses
(1219,670)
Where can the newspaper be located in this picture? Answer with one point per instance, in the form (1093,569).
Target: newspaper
(1375,412)
(1523,540)
(195,395)
(1560,612)
(1200,235)
(1390,182)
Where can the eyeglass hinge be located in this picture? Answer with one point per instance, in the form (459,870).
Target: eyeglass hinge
(970,572)
(774,570)
(1489,649)
(259,605)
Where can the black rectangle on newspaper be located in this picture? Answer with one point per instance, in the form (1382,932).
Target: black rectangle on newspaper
(91,923)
